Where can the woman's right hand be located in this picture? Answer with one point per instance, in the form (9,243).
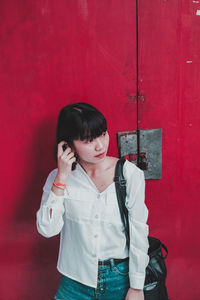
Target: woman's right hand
(65,160)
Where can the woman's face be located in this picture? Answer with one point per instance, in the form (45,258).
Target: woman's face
(92,151)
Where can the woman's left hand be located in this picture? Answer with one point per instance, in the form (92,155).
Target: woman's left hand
(134,294)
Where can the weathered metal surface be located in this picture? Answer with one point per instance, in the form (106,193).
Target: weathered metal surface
(150,158)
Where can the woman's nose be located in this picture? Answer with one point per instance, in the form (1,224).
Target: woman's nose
(99,144)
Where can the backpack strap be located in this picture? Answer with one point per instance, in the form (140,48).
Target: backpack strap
(156,269)
(120,186)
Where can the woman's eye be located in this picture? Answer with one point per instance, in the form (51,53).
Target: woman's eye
(89,141)
(104,133)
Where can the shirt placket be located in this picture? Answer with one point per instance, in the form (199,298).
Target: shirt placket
(96,228)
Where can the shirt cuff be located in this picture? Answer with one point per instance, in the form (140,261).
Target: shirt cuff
(54,200)
(136,280)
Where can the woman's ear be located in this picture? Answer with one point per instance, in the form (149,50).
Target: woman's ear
(73,149)
(71,145)
(75,163)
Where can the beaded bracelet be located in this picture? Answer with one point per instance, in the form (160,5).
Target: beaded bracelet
(60,185)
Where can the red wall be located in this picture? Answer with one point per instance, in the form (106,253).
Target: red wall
(56,52)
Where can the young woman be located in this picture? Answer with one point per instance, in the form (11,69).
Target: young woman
(79,202)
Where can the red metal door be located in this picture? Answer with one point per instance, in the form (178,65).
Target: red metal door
(169,78)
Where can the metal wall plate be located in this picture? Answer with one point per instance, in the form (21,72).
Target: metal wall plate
(150,150)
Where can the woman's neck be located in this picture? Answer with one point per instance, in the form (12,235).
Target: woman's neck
(93,169)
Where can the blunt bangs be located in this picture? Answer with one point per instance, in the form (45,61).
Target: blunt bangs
(93,126)
(80,121)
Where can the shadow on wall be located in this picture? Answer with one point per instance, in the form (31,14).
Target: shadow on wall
(30,267)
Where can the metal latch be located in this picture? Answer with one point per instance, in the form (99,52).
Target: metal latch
(149,158)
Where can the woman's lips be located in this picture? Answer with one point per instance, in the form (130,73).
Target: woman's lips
(100,155)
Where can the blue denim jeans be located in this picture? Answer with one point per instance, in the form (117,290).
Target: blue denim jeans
(113,283)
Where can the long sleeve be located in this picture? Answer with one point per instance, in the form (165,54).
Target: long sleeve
(138,213)
(46,225)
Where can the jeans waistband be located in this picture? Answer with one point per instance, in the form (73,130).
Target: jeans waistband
(112,261)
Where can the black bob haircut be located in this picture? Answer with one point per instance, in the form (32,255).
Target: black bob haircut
(80,121)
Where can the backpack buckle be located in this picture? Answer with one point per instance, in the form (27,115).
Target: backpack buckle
(122,182)
(118,179)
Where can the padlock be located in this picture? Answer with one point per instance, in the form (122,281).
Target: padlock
(142,161)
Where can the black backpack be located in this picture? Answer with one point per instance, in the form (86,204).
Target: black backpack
(156,272)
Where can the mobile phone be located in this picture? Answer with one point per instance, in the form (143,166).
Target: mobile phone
(64,147)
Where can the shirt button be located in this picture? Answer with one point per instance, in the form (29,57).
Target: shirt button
(96,235)
(94,255)
(98,196)
(96,216)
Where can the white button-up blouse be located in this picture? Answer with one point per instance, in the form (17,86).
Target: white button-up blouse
(90,226)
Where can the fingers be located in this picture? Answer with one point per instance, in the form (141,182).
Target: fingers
(65,159)
(60,150)
(73,159)
(67,154)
